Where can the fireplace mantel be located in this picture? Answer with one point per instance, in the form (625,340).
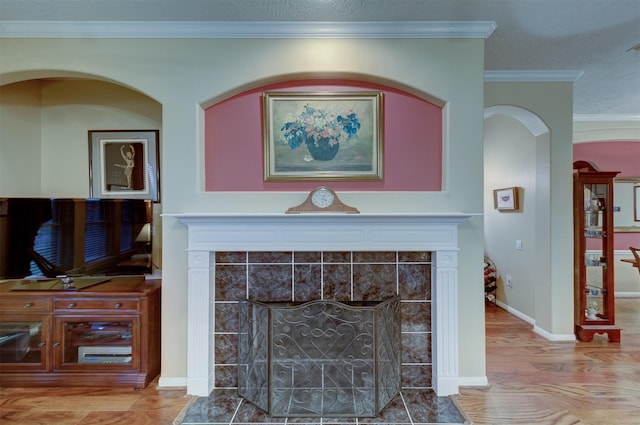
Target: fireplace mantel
(208,233)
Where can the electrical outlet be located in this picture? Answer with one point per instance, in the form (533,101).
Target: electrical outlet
(509,281)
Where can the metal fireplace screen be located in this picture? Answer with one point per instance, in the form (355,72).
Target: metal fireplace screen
(320,358)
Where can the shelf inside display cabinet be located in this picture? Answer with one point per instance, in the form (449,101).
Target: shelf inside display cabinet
(594,233)
(592,260)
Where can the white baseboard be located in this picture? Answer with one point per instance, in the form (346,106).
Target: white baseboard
(627,294)
(516,313)
(473,381)
(536,329)
(172,382)
(553,337)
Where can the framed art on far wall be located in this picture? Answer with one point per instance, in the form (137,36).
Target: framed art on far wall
(636,203)
(124,164)
(506,199)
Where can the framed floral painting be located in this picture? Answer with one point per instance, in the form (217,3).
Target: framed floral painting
(124,164)
(322,136)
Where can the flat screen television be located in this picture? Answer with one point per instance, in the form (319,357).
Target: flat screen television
(53,236)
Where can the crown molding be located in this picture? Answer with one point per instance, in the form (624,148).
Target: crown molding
(531,76)
(193,29)
(606,117)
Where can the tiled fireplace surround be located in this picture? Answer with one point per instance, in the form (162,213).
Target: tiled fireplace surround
(280,257)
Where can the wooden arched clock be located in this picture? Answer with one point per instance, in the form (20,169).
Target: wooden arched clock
(322,200)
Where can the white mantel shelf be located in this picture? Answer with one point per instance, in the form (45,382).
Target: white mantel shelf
(196,217)
(208,233)
(322,231)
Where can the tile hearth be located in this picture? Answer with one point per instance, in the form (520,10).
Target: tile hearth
(410,407)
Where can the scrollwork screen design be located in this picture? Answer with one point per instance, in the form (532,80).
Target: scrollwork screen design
(325,358)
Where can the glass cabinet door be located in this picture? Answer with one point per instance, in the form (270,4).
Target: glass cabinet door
(103,342)
(23,342)
(596,262)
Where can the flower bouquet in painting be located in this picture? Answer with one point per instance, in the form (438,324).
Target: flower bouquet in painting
(321,130)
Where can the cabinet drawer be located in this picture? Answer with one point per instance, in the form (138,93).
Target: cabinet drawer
(95,304)
(24,304)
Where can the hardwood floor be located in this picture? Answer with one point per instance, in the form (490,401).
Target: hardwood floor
(87,406)
(533,381)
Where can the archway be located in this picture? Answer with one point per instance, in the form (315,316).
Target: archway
(46,116)
(517,154)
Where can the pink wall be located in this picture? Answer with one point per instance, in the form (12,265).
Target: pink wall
(623,156)
(623,241)
(412,144)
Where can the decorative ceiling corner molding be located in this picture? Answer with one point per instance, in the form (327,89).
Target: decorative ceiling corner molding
(147,29)
(507,76)
(604,128)
(606,117)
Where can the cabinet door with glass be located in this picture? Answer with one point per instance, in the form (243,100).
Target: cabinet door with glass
(23,342)
(593,253)
(96,342)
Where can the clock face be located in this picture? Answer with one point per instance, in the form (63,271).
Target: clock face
(322,198)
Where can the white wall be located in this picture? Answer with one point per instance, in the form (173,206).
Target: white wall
(183,74)
(52,131)
(52,135)
(626,278)
(552,103)
(20,140)
(510,160)
(69,108)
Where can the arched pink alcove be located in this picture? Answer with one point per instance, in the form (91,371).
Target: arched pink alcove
(412,144)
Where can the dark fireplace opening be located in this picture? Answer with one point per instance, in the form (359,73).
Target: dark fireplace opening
(320,358)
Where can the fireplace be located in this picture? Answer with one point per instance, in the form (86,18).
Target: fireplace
(212,234)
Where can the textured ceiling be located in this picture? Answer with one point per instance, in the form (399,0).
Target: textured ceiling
(589,35)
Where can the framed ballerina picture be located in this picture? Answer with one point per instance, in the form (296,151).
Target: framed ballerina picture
(124,164)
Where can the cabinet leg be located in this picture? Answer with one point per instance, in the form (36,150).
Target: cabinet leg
(614,336)
(584,336)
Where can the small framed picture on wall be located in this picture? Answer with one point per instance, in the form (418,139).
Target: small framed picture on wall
(506,199)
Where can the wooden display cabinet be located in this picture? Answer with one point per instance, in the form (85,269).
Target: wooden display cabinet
(104,335)
(594,306)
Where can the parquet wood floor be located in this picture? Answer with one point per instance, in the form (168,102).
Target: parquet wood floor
(535,381)
(532,381)
(88,406)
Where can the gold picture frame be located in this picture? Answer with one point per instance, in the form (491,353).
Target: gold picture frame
(636,203)
(322,136)
(124,164)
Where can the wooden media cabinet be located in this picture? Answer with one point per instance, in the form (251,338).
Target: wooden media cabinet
(106,334)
